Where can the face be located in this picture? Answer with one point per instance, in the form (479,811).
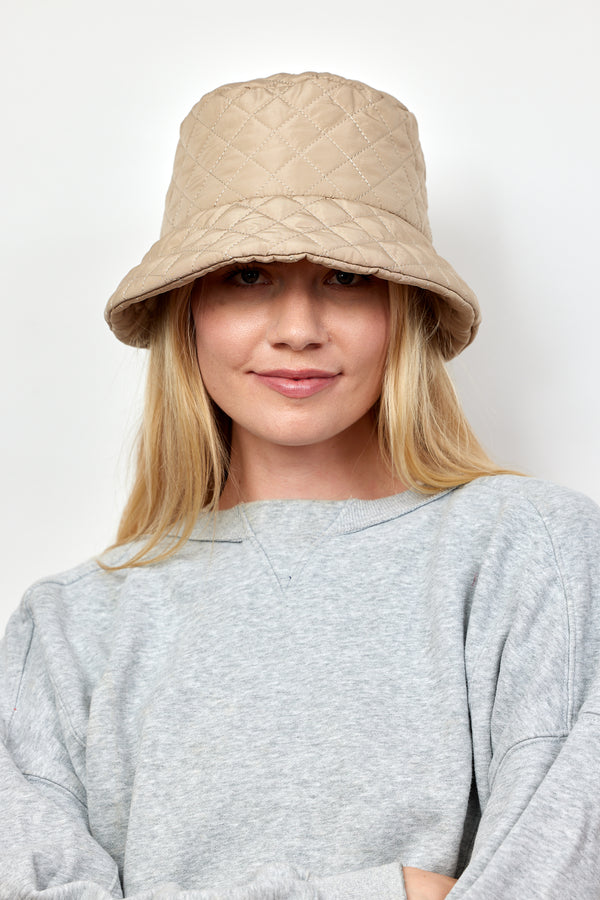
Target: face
(293,353)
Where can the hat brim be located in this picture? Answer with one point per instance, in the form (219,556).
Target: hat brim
(331,232)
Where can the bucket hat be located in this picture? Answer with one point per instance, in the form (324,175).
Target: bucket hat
(311,166)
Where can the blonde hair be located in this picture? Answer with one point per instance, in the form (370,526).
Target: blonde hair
(184,441)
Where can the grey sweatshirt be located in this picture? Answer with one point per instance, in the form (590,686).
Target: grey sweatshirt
(310,695)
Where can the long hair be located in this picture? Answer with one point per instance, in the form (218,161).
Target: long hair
(184,442)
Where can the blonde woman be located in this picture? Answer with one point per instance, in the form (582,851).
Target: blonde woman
(335,653)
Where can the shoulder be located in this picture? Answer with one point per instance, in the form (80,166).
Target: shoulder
(62,611)
(562,513)
(540,575)
(534,527)
(63,631)
(519,488)
(80,588)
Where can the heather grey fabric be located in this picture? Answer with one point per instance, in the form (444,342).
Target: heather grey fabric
(309,696)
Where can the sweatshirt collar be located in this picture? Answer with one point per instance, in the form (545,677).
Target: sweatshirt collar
(232,526)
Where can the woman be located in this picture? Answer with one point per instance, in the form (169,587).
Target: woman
(335,652)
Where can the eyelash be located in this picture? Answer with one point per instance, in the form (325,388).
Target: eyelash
(238,270)
(364,279)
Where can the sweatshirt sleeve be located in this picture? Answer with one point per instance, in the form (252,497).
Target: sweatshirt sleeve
(46,849)
(535,703)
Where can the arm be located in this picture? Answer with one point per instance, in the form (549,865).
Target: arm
(47,849)
(535,706)
(422,885)
(540,832)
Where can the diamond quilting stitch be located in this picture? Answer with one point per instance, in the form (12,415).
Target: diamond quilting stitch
(317,235)
(333,138)
(192,195)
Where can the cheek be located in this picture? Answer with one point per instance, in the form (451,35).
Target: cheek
(224,350)
(372,346)
(215,341)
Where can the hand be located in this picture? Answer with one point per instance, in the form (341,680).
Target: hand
(422,885)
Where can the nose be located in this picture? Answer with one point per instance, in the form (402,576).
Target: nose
(297,319)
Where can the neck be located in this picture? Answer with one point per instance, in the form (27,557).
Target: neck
(331,470)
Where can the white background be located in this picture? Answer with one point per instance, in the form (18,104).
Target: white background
(507,98)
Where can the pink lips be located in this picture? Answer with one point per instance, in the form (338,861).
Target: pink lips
(297,383)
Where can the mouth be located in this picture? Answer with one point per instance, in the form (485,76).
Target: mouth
(297,383)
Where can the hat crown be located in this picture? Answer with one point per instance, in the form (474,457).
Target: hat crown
(308,135)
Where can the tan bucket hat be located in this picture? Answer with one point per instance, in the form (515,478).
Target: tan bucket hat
(290,167)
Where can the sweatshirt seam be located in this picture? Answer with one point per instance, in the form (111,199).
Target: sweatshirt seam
(570,635)
(31,776)
(303,561)
(558,737)
(569,665)
(22,673)
(92,568)
(355,526)
(55,688)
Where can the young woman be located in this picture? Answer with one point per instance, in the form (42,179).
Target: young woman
(335,653)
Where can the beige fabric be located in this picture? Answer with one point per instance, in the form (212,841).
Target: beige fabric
(289,167)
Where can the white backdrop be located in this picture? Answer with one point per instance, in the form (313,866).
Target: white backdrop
(507,101)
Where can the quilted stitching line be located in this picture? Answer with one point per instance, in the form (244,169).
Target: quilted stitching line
(296,154)
(325,251)
(351,158)
(193,157)
(212,129)
(371,102)
(370,145)
(294,111)
(243,236)
(428,278)
(248,157)
(326,133)
(415,194)
(421,189)
(251,157)
(323,133)
(390,132)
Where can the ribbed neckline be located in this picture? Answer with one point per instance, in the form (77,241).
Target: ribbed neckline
(345,516)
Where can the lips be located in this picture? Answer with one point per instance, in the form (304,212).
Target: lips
(297,383)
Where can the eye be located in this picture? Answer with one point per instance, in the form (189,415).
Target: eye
(246,276)
(347,279)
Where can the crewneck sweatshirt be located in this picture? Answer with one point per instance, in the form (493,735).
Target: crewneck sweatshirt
(310,695)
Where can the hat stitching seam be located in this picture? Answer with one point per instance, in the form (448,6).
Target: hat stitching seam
(373,146)
(243,237)
(424,282)
(184,143)
(324,251)
(420,191)
(372,188)
(295,112)
(377,225)
(246,120)
(194,114)
(368,103)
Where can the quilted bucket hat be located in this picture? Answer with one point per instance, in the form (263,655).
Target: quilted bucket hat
(290,167)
